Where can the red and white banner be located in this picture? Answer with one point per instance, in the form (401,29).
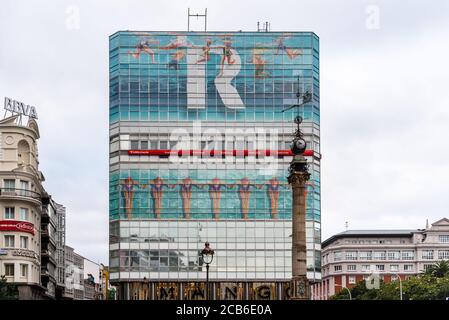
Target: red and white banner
(234,153)
(14,225)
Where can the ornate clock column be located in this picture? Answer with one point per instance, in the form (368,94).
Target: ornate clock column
(298,176)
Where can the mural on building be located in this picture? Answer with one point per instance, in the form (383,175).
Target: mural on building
(214,77)
(226,77)
(215,198)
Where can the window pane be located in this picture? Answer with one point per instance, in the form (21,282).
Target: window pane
(23,213)
(9,241)
(24,270)
(9,213)
(10,184)
(24,242)
(9,269)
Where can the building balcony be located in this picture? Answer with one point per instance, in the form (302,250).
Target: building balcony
(47,239)
(47,256)
(47,276)
(20,194)
(47,219)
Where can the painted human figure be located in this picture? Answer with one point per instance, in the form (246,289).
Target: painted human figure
(244,193)
(206,52)
(144,46)
(175,59)
(259,63)
(156,189)
(227,55)
(128,191)
(186,195)
(179,41)
(282,47)
(215,195)
(273,194)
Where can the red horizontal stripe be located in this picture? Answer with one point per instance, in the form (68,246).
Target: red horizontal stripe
(245,153)
(15,225)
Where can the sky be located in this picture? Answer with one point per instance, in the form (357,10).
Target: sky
(384,72)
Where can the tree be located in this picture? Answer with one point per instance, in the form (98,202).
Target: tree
(358,292)
(426,287)
(8,291)
(111,294)
(389,291)
(439,269)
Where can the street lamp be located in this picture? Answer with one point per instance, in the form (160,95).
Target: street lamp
(208,255)
(343,287)
(400,284)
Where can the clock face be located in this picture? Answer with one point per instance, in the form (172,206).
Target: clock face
(301,144)
(298,146)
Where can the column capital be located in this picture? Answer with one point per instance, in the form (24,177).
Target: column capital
(298,179)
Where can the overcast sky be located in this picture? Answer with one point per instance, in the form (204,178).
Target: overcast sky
(384,99)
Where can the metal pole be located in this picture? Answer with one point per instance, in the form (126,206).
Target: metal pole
(400,285)
(349,291)
(188,19)
(207,281)
(205,20)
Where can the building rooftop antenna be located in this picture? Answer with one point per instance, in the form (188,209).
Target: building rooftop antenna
(197,16)
(265,27)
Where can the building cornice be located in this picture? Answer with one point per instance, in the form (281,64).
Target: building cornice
(374,234)
(31,127)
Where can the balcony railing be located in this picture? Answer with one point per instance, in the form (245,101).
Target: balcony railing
(14,192)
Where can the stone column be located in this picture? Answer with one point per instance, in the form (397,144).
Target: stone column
(298,177)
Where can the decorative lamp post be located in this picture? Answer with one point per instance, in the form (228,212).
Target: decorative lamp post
(297,178)
(207,255)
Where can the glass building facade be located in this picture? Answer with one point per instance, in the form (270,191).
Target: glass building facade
(199,152)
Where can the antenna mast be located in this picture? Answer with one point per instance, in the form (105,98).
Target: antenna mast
(265,27)
(197,16)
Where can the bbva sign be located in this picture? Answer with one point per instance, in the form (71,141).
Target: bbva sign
(19,107)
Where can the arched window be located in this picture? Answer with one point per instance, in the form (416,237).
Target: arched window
(23,152)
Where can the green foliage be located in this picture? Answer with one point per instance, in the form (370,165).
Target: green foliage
(390,291)
(426,287)
(358,292)
(439,270)
(8,291)
(111,294)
